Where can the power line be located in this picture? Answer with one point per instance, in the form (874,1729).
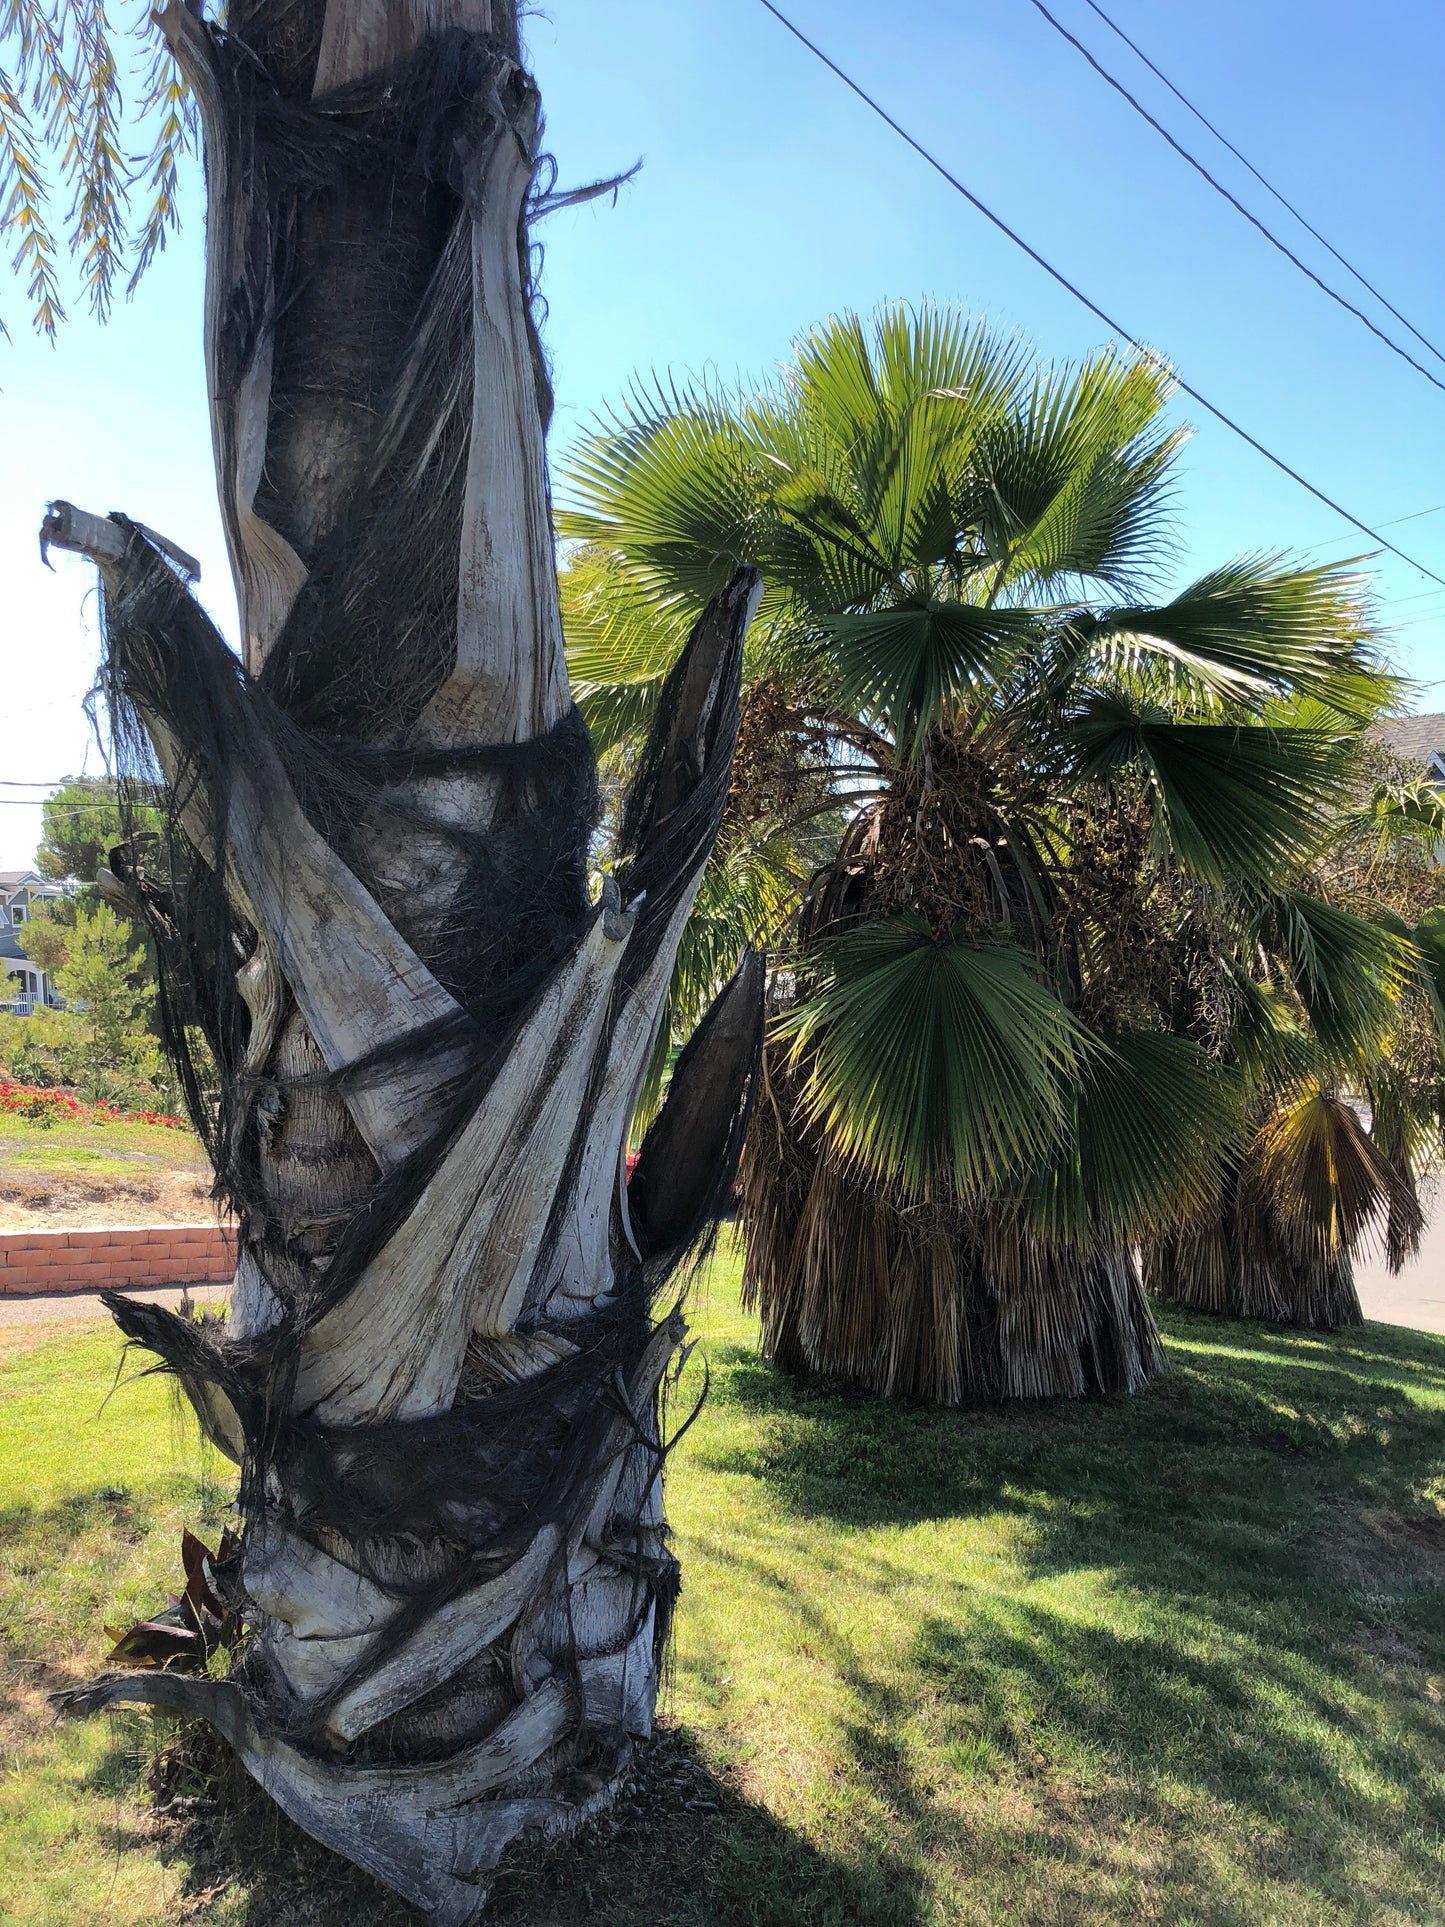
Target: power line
(37,803)
(1078,294)
(1238,205)
(1394,523)
(1267,185)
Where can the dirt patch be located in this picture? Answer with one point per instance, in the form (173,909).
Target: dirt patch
(35,1202)
(26,1706)
(1387,1552)
(1381,1643)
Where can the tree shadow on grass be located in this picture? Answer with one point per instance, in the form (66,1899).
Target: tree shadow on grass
(682,1847)
(1235,1762)
(1215,1436)
(1233,1719)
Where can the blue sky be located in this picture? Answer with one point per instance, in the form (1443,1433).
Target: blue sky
(769,197)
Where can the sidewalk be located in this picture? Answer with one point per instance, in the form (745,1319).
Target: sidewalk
(1417,1297)
(72,1307)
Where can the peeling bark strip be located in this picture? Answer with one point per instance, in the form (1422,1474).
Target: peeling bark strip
(442,1373)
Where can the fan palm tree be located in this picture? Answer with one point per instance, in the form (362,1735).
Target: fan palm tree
(1279,1238)
(1001,1051)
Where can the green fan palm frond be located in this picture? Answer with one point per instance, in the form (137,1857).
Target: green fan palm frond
(893,415)
(1232,800)
(915,662)
(1072,482)
(1152,1119)
(1397,818)
(1427,942)
(1269,1046)
(1258,627)
(936,1066)
(672,481)
(621,643)
(1347,971)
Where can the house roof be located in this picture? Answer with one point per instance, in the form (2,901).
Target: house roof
(13,880)
(10,946)
(1416,739)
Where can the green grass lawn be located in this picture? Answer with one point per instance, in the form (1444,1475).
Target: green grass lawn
(84,1173)
(1179,1658)
(96,1149)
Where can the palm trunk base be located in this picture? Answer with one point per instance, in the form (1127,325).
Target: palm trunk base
(1215,1268)
(926,1302)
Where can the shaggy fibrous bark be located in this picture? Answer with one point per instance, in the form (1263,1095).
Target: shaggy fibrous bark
(936,1302)
(446,1346)
(1279,1241)
(1237,1263)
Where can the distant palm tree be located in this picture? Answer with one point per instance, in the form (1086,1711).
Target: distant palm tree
(1279,1238)
(1010,1040)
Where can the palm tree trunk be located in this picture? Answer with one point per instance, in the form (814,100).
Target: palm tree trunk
(931,1302)
(442,1367)
(1238,1262)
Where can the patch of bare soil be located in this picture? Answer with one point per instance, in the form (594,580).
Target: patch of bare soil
(1386,1645)
(1387,1552)
(31,1201)
(26,1706)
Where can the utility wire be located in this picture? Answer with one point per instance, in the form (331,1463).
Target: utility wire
(1238,205)
(1267,185)
(1078,294)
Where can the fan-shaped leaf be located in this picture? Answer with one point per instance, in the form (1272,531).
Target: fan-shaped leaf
(1152,1118)
(1259,626)
(936,1065)
(916,661)
(1320,1174)
(1348,972)
(1231,800)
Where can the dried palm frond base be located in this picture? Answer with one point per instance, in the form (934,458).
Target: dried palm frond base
(1277,1243)
(929,1302)
(1238,1265)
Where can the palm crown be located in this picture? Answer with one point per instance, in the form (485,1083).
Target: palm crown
(1067,938)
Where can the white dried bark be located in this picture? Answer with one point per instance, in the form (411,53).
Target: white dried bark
(521,1667)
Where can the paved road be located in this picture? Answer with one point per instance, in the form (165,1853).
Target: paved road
(1417,1296)
(71,1307)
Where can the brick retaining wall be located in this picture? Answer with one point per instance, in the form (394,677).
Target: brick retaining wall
(116,1255)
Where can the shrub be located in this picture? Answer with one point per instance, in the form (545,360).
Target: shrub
(38,1105)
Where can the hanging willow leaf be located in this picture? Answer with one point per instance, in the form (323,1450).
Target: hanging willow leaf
(937,1065)
(64,130)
